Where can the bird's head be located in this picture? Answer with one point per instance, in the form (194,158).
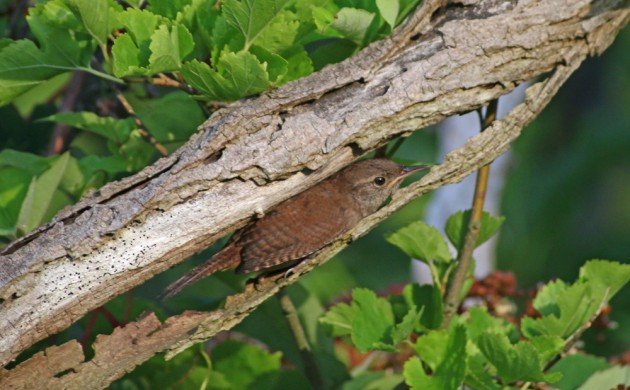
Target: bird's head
(373,181)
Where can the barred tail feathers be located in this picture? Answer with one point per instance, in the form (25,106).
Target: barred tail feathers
(227,258)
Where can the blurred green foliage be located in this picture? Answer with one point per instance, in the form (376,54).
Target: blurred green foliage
(567,197)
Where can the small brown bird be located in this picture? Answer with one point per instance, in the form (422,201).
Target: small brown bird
(305,223)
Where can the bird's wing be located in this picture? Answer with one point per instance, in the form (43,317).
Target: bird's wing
(294,230)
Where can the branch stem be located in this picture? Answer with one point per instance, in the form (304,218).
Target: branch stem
(310,366)
(144,133)
(464,257)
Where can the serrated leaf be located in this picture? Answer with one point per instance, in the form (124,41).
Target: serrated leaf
(40,195)
(140,25)
(237,75)
(445,352)
(373,320)
(480,321)
(322,17)
(280,34)
(389,10)
(422,242)
(276,66)
(353,23)
(608,275)
(251,17)
(457,225)
(574,306)
(339,318)
(127,58)
(513,362)
(169,46)
(299,64)
(99,17)
(409,322)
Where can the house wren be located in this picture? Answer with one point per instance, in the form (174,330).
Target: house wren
(305,223)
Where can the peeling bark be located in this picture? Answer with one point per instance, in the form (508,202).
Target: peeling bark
(261,151)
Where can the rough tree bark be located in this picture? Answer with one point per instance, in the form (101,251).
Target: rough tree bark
(246,158)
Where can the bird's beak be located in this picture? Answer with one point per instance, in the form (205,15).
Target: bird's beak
(406,171)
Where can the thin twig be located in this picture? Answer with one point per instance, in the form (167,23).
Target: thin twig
(144,133)
(163,80)
(310,366)
(578,333)
(464,257)
(61,131)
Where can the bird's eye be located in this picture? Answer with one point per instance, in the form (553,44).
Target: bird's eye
(379,180)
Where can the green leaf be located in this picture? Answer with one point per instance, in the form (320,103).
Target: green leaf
(331,51)
(373,380)
(608,379)
(157,115)
(339,318)
(373,320)
(389,10)
(168,8)
(23,66)
(479,321)
(140,26)
(575,305)
(566,308)
(117,130)
(276,66)
(607,274)
(299,64)
(40,195)
(32,163)
(406,326)
(576,369)
(477,373)
(237,75)
(421,241)
(445,352)
(432,347)
(513,362)
(127,58)
(280,34)
(353,23)
(251,17)
(169,46)
(98,17)
(457,225)
(242,363)
(322,17)
(428,300)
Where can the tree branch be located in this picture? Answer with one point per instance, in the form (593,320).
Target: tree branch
(137,341)
(258,152)
(464,257)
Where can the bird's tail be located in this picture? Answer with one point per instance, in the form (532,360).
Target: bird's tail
(227,258)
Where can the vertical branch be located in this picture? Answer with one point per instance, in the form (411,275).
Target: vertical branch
(61,131)
(464,257)
(310,366)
